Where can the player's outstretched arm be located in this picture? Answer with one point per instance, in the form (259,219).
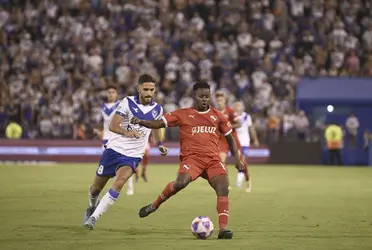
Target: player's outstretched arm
(154,124)
(235,151)
(159,137)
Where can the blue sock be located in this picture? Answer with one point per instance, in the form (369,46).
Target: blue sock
(113,194)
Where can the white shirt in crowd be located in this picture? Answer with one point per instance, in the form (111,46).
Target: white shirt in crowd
(301,122)
(352,125)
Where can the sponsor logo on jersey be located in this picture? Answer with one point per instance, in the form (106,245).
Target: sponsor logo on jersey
(203,129)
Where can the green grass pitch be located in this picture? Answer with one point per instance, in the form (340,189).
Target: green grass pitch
(42,207)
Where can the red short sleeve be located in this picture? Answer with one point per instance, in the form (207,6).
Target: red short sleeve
(172,119)
(224,126)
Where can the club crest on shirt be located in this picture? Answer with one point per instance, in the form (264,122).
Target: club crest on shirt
(154,113)
(213,118)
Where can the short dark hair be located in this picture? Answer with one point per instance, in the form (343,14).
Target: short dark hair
(146,78)
(112,87)
(201,85)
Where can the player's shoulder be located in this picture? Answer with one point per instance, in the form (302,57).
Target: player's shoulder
(217,113)
(245,116)
(229,109)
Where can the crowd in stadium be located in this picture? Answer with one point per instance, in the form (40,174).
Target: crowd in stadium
(57,57)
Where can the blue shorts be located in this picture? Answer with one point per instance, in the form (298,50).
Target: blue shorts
(244,151)
(112,160)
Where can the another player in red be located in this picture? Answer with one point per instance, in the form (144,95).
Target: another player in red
(230,115)
(232,118)
(200,129)
(145,162)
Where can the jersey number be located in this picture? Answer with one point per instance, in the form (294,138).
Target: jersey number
(100,169)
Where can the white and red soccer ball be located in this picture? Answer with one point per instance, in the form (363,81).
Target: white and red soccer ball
(202,227)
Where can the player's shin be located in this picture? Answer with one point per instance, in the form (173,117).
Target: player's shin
(223,211)
(93,197)
(168,192)
(106,202)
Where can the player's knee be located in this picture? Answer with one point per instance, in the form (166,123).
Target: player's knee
(222,191)
(222,187)
(180,184)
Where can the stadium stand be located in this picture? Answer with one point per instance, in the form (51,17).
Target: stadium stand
(57,57)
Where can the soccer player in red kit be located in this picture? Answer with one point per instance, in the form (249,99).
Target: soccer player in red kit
(235,123)
(231,117)
(200,129)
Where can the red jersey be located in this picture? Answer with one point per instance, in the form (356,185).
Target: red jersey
(199,131)
(231,117)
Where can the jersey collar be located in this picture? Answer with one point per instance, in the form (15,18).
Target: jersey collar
(202,112)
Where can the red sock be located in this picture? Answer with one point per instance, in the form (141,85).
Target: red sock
(145,160)
(223,211)
(168,192)
(144,167)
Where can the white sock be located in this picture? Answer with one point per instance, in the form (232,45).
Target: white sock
(130,184)
(92,199)
(107,201)
(240,178)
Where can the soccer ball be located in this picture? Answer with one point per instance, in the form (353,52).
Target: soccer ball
(202,227)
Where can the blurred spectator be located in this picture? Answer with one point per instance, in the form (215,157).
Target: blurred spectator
(288,123)
(301,124)
(352,125)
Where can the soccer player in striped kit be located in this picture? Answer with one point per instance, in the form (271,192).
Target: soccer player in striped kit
(244,132)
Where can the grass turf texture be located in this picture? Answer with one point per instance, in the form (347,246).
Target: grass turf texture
(42,207)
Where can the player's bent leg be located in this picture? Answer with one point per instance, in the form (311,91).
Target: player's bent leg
(144,163)
(220,183)
(182,180)
(95,189)
(123,173)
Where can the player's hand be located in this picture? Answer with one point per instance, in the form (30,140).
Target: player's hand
(133,134)
(163,150)
(240,166)
(135,120)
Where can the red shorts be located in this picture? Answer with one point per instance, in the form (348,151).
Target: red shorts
(206,168)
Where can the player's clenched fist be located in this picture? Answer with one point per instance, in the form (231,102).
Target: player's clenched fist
(163,150)
(135,120)
(240,166)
